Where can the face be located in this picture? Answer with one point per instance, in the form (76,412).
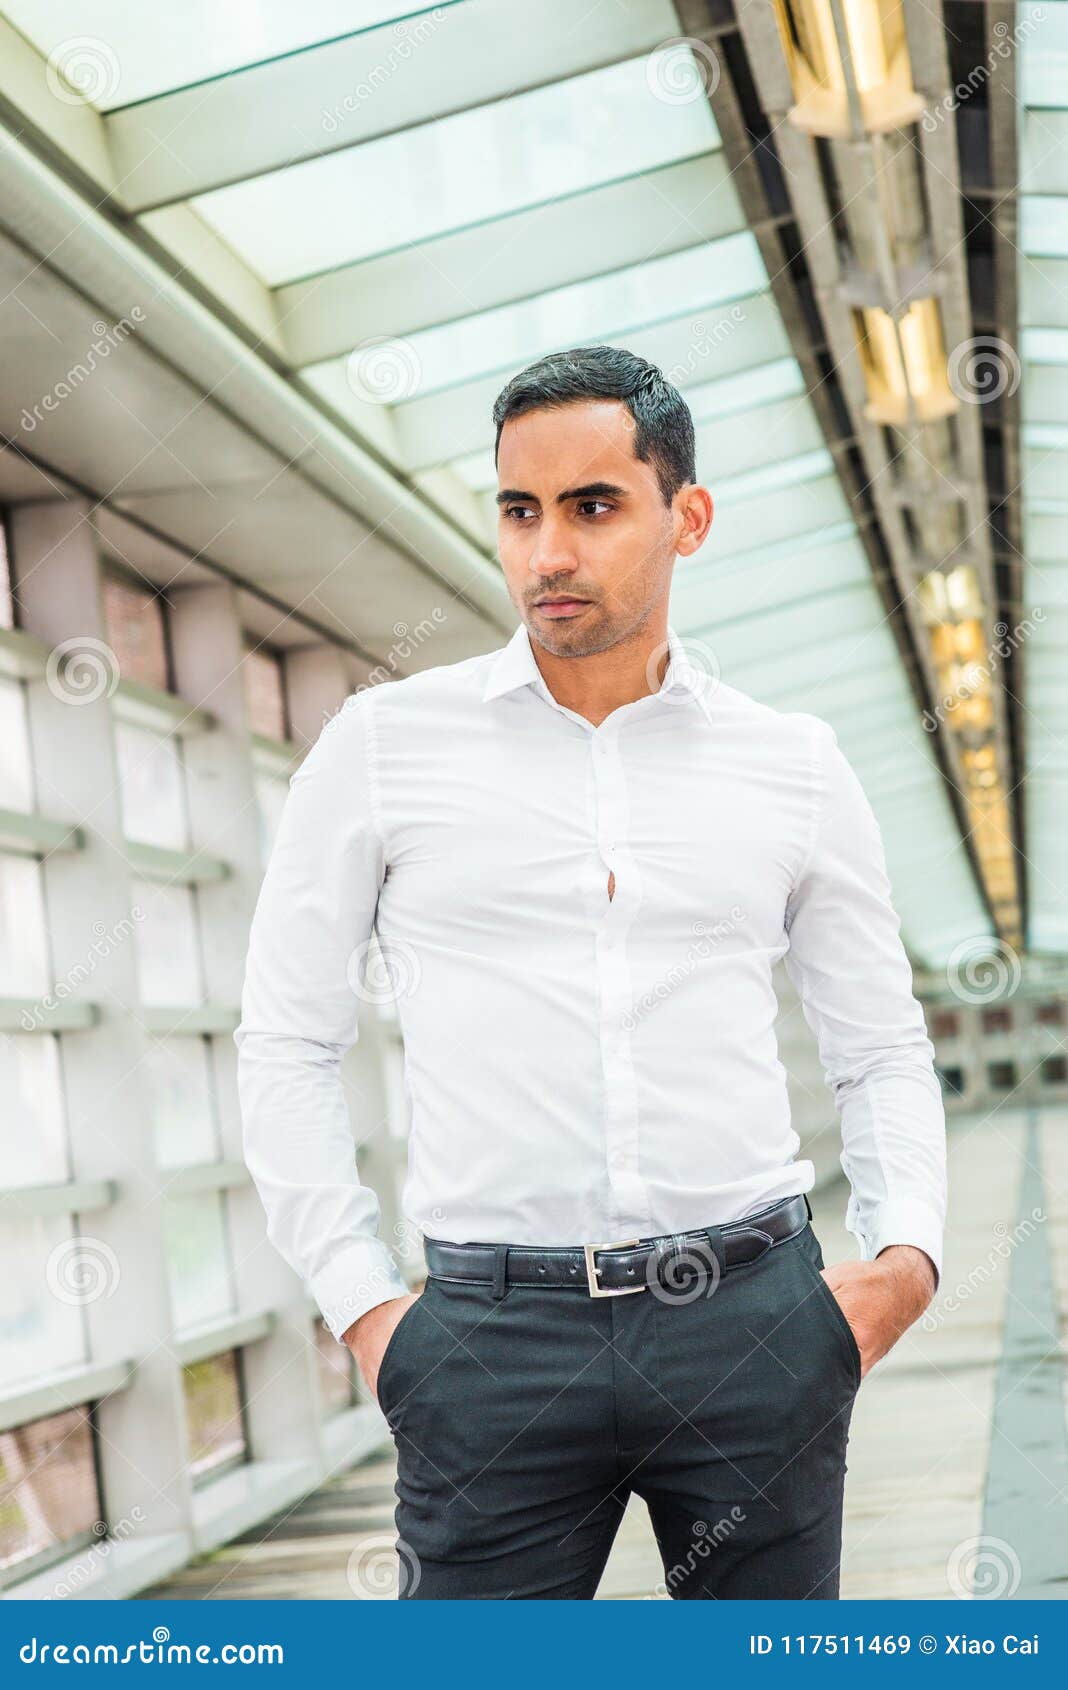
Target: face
(586,541)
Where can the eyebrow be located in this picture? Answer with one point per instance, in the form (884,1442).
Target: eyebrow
(592,490)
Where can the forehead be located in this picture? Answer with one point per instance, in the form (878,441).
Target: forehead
(567,445)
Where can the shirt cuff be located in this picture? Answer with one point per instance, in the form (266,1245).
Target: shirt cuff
(906,1220)
(357,1279)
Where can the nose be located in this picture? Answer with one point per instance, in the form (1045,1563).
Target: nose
(553,553)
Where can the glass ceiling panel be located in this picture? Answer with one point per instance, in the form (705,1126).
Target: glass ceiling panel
(780,379)
(789,472)
(1043,84)
(1047,437)
(760,521)
(1043,148)
(748,440)
(128,52)
(1043,72)
(740,587)
(514,335)
(794,547)
(1045,394)
(1044,346)
(387,193)
(1044,225)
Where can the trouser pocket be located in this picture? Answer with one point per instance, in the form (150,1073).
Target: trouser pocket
(393,1353)
(810,1257)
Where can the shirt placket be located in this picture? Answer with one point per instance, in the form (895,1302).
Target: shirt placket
(629,1195)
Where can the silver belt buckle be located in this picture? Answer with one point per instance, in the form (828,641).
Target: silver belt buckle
(592,1270)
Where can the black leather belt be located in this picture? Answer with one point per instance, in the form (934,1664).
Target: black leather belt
(630,1264)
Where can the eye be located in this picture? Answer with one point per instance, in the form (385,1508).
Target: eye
(515,512)
(593,507)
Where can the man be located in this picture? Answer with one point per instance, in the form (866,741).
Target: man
(582,859)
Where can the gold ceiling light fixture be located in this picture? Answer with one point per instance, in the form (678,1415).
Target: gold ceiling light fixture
(849,66)
(990,824)
(952,605)
(904,363)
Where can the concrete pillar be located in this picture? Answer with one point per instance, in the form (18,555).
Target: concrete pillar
(208,652)
(91,917)
(317,685)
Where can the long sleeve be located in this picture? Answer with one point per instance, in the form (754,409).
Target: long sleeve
(299,1014)
(848,963)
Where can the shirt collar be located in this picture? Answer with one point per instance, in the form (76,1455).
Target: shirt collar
(514,666)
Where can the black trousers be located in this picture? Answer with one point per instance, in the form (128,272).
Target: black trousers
(523,1424)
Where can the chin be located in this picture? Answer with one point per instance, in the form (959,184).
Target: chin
(573,639)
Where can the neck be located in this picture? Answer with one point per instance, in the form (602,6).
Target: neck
(596,685)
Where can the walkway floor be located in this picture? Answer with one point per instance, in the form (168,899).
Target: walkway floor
(957,1481)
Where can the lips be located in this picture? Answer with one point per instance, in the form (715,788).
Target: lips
(562,606)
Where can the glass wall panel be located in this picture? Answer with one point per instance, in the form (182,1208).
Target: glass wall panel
(168,952)
(265,691)
(198,1259)
(24,961)
(213,1397)
(151,787)
(16,774)
(183,1102)
(48,1490)
(33,1135)
(47,1275)
(134,617)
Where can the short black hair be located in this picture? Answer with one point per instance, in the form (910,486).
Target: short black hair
(663,434)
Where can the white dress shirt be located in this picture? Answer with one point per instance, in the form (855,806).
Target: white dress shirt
(578,1069)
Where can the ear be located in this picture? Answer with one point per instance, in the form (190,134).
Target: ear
(696,514)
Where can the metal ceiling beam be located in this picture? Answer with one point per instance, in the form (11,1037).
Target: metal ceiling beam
(774,160)
(1001,420)
(114,273)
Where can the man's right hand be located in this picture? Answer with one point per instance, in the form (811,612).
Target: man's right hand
(367,1337)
